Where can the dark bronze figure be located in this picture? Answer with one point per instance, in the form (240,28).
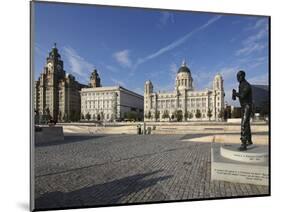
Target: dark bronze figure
(245,99)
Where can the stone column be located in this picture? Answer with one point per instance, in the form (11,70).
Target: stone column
(185,104)
(215,105)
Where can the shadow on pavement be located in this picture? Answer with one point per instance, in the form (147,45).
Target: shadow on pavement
(108,193)
(70,139)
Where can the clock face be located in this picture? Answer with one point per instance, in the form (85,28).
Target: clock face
(58,67)
(50,65)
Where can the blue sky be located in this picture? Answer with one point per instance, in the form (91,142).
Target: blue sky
(130,46)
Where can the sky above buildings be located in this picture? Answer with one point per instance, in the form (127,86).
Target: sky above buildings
(129,46)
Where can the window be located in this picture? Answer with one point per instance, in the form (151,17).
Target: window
(172,104)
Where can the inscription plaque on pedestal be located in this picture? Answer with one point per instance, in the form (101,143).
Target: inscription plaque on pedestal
(251,167)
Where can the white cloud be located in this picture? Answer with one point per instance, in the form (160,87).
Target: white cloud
(175,43)
(260,24)
(257,62)
(228,72)
(122,57)
(255,47)
(255,42)
(77,63)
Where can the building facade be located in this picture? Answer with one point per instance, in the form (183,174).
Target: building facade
(184,103)
(261,99)
(56,93)
(110,103)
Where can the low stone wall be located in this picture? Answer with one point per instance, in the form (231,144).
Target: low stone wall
(206,129)
(234,120)
(158,123)
(100,129)
(49,134)
(167,128)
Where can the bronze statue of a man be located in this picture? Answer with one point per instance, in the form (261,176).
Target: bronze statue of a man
(245,98)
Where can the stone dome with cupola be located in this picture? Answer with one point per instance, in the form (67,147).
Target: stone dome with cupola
(184,68)
(184,79)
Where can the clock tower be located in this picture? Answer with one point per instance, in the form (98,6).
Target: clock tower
(54,62)
(95,81)
(57,94)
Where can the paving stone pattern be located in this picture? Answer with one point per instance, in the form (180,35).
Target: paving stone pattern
(120,169)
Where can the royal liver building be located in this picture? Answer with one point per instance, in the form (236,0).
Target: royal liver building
(184,103)
(57,93)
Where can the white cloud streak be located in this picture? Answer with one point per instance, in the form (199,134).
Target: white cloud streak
(228,72)
(176,43)
(250,48)
(255,42)
(122,57)
(77,63)
(260,24)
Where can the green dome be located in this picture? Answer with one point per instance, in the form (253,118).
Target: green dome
(183,69)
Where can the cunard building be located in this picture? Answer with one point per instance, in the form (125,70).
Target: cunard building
(109,103)
(57,93)
(184,103)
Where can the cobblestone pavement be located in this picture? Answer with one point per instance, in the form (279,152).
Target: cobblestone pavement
(116,169)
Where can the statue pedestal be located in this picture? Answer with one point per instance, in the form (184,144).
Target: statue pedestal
(231,165)
(48,135)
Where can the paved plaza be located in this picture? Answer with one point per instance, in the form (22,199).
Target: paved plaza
(90,170)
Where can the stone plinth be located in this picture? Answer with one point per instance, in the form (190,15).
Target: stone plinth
(48,135)
(254,153)
(231,165)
